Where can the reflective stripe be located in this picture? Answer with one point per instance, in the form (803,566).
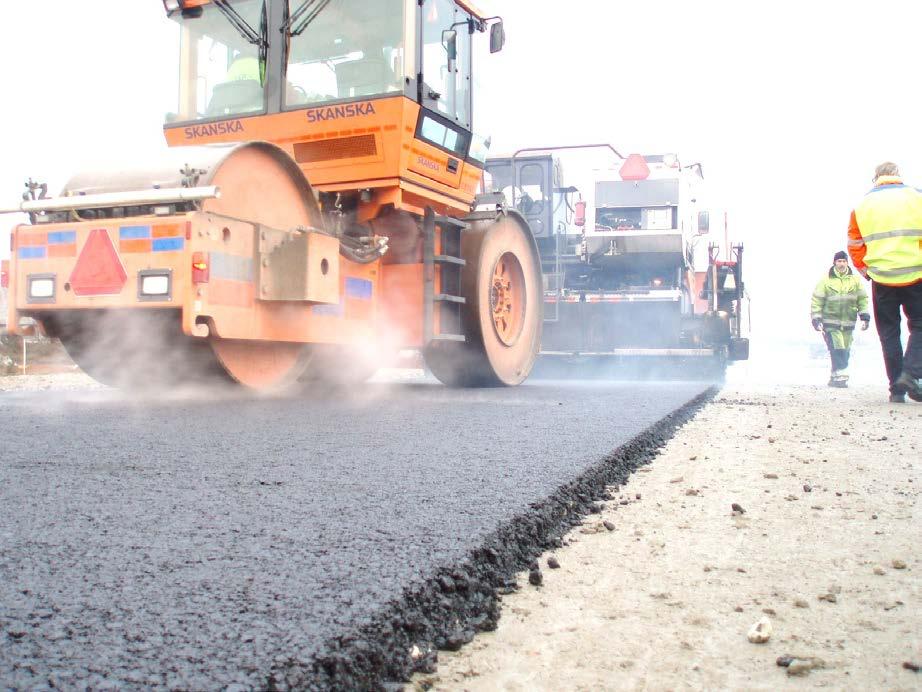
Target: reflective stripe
(886,186)
(908,233)
(842,296)
(841,324)
(855,242)
(896,272)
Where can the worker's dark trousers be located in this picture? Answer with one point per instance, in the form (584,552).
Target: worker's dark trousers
(839,356)
(887,301)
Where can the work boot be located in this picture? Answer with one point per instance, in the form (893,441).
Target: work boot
(909,384)
(897,398)
(840,382)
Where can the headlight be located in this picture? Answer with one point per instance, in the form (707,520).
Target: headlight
(155,284)
(41,288)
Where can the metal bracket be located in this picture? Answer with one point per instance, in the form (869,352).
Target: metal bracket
(29,195)
(190,175)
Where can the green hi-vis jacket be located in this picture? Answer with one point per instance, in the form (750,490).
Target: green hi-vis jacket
(838,299)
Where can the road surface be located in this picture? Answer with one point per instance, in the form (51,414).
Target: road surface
(218,539)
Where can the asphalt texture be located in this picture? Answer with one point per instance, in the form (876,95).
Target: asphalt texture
(306,542)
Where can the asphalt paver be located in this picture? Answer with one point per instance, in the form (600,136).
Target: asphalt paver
(236,542)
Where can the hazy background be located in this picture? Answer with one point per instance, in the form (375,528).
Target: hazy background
(788,105)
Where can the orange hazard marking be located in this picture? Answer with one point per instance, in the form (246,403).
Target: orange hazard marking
(166,230)
(135,245)
(62,250)
(31,239)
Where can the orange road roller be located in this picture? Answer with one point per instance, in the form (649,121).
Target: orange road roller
(315,213)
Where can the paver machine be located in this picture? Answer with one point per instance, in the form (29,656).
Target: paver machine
(643,291)
(315,211)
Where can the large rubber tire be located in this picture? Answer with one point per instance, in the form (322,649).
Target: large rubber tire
(502,317)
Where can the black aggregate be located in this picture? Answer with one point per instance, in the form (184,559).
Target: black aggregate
(291,543)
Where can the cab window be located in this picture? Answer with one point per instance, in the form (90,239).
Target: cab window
(344,49)
(221,72)
(447,83)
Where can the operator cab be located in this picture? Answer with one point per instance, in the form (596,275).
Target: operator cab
(263,57)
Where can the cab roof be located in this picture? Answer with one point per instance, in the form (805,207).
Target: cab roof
(469,6)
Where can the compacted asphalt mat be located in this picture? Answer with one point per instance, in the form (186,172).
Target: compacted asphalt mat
(236,542)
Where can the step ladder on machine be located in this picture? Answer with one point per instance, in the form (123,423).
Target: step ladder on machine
(446,304)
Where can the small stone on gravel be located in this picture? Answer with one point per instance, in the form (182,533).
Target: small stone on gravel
(807,488)
(553,563)
(736,507)
(760,632)
(914,667)
(898,564)
(879,571)
(801,603)
(784,661)
(770,476)
(828,597)
(608,525)
(535,578)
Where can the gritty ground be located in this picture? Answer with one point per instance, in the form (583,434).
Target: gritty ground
(827,550)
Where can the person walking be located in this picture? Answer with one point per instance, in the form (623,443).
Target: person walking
(838,299)
(885,244)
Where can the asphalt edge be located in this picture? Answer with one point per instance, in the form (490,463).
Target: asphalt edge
(448,609)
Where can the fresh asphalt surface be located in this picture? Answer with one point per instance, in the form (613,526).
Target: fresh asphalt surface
(191,543)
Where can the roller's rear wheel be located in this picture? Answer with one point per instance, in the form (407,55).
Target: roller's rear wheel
(135,349)
(503,314)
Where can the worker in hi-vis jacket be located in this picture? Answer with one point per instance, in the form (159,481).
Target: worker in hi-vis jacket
(838,300)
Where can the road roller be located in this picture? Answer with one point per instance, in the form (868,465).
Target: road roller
(316,211)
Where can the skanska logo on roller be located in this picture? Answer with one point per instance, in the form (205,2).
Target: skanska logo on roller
(348,110)
(210,129)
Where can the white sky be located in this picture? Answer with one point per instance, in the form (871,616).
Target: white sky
(788,105)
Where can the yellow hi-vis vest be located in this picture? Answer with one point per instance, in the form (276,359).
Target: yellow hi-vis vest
(890,220)
(243,68)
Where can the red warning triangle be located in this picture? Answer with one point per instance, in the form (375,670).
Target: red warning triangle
(98,271)
(634,168)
